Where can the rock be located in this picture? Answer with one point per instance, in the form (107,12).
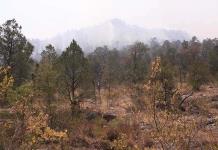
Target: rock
(202,94)
(93,115)
(195,110)
(112,108)
(211,121)
(161,106)
(182,108)
(148,143)
(109,116)
(112,135)
(145,126)
(214,98)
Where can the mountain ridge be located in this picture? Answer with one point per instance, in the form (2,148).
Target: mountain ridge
(114,33)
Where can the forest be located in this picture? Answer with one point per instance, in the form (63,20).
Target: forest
(156,95)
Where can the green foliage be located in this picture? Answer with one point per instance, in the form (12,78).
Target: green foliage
(74,76)
(112,68)
(98,61)
(213,60)
(6,82)
(15,51)
(167,79)
(138,63)
(74,73)
(16,94)
(46,74)
(198,74)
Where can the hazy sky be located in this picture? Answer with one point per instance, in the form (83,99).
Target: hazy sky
(45,18)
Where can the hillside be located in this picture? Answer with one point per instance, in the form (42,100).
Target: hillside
(114,33)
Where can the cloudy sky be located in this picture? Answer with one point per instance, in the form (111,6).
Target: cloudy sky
(45,18)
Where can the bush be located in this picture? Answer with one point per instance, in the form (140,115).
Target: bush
(198,74)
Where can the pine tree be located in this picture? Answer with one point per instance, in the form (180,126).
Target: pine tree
(15,51)
(75,69)
(47,74)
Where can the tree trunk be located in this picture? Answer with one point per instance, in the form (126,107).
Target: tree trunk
(49,109)
(180,76)
(99,92)
(94,86)
(74,103)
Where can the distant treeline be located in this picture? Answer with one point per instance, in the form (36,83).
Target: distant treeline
(77,76)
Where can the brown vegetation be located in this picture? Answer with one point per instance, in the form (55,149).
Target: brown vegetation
(109,100)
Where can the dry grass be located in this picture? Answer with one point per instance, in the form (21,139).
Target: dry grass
(136,129)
